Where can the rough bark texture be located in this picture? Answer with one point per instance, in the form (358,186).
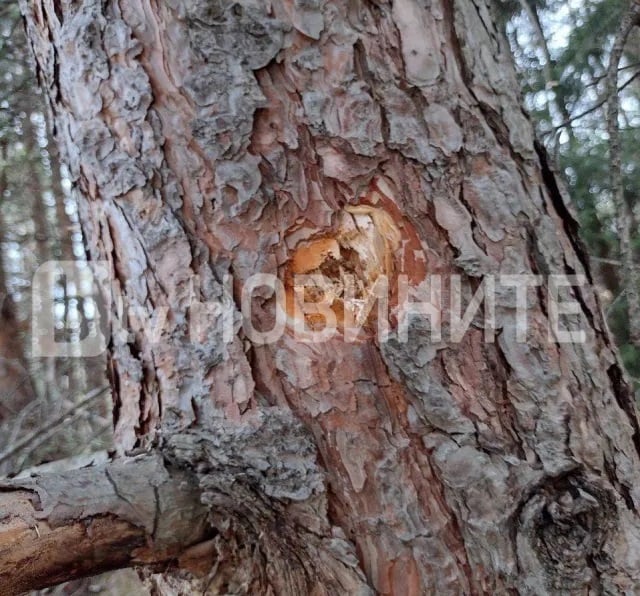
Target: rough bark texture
(210,137)
(59,527)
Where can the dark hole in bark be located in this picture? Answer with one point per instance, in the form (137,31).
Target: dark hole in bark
(566,522)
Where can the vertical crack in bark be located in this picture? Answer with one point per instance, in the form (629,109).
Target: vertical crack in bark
(570,224)
(621,390)
(625,399)
(116,490)
(158,512)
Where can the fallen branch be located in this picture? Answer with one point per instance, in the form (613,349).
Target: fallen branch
(55,528)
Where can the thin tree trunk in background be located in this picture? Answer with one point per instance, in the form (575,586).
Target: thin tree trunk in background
(44,369)
(16,389)
(208,138)
(624,217)
(81,376)
(66,227)
(551,83)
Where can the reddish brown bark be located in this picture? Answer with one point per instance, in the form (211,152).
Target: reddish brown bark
(207,138)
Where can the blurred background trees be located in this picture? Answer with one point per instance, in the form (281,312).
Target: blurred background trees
(38,223)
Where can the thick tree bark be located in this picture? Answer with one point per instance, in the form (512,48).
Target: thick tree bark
(208,138)
(59,527)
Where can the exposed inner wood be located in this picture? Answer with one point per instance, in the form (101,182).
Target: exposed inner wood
(344,271)
(59,527)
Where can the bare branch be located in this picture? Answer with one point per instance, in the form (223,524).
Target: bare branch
(51,424)
(45,437)
(94,458)
(605,261)
(601,102)
(72,524)
(598,78)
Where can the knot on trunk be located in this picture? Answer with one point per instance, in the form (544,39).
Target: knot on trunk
(265,492)
(269,452)
(563,526)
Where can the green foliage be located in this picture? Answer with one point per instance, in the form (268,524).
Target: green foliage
(567,101)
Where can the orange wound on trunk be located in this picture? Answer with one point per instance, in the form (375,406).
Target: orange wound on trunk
(345,269)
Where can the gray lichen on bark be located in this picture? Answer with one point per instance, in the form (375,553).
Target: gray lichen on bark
(263,486)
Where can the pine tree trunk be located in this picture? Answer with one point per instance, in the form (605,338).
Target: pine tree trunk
(210,138)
